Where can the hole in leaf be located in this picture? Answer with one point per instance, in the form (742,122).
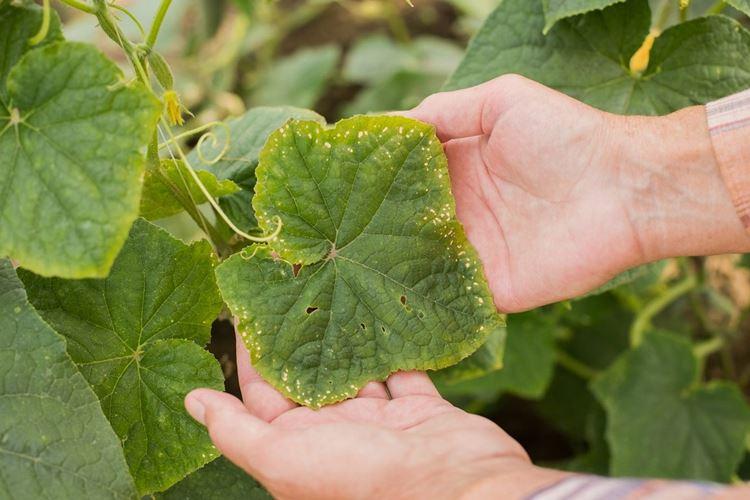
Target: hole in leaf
(403,300)
(295,269)
(363,326)
(311,309)
(382,328)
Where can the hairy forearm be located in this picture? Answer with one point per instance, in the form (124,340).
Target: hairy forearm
(676,198)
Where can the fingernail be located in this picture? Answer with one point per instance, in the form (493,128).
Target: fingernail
(195,408)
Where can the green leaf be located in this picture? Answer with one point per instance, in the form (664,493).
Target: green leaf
(646,272)
(158,199)
(71,165)
(375,58)
(403,90)
(245,135)
(137,337)
(218,480)
(297,80)
(19,24)
(663,421)
(55,442)
(741,5)
(399,76)
(555,10)
(588,56)
(487,359)
(528,364)
(388,280)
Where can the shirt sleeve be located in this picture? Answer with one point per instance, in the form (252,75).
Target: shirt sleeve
(729,127)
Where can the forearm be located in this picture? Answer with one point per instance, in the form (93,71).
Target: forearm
(676,198)
(529,482)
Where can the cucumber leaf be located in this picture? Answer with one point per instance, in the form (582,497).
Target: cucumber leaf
(20,23)
(529,360)
(388,280)
(587,56)
(138,336)
(158,199)
(485,360)
(741,5)
(555,10)
(218,480)
(71,141)
(662,421)
(299,79)
(245,136)
(56,442)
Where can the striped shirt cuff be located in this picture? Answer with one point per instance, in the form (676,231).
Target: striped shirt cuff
(729,126)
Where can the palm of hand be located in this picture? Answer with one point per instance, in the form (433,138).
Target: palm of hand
(396,438)
(535,182)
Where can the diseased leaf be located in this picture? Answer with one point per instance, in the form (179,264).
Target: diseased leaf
(19,25)
(663,421)
(245,135)
(71,162)
(555,10)
(528,364)
(299,79)
(388,279)
(55,441)
(587,56)
(218,480)
(137,337)
(158,199)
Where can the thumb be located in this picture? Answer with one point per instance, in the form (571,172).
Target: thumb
(233,429)
(465,113)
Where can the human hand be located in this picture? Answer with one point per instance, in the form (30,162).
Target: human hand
(413,445)
(558,197)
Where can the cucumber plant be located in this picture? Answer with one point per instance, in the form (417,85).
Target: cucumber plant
(336,249)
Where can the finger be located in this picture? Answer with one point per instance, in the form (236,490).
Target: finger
(464,113)
(259,396)
(411,383)
(233,429)
(373,390)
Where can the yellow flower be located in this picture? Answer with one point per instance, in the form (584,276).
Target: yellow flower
(173,107)
(639,61)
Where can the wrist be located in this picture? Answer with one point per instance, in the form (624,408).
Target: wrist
(672,189)
(514,479)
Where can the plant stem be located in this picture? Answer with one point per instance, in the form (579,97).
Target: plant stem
(665,10)
(80,6)
(574,366)
(716,8)
(158,20)
(643,319)
(708,347)
(683,14)
(396,23)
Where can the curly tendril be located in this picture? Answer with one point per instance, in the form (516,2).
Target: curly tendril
(44,28)
(215,142)
(210,135)
(214,204)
